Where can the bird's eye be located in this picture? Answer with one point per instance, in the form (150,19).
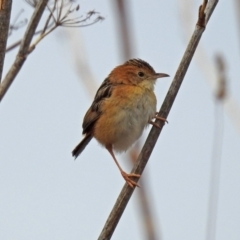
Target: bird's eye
(141,74)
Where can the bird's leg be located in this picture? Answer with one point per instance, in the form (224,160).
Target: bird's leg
(125,175)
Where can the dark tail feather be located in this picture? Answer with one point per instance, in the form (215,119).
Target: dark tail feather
(80,147)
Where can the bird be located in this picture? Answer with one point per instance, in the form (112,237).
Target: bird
(124,105)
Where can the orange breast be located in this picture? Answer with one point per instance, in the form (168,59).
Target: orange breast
(124,116)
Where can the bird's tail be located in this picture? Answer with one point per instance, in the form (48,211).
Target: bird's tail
(80,147)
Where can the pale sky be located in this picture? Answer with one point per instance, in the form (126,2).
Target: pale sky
(45,194)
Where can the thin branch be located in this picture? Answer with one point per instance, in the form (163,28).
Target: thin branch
(59,18)
(16,25)
(14,45)
(32,3)
(60,12)
(23,50)
(211,223)
(52,11)
(5,13)
(231,105)
(80,61)
(51,15)
(124,29)
(17,43)
(221,92)
(146,208)
(64,22)
(147,211)
(138,168)
(41,37)
(216,151)
(237,9)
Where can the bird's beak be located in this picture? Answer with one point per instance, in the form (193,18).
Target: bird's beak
(160,75)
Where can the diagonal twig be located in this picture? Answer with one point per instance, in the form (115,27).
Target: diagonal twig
(17,43)
(231,106)
(125,36)
(143,158)
(80,62)
(24,47)
(5,13)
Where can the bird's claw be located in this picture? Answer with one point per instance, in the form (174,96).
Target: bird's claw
(160,118)
(128,180)
(154,124)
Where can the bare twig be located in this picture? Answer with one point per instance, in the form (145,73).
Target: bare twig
(124,33)
(231,106)
(201,14)
(222,81)
(23,51)
(149,225)
(80,61)
(138,168)
(216,152)
(16,25)
(14,45)
(5,13)
(32,3)
(60,17)
(17,43)
(211,223)
(147,210)
(46,26)
(237,9)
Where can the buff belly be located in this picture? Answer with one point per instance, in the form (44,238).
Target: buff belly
(122,127)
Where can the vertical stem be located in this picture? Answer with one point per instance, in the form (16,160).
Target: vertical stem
(215,174)
(124,31)
(5,13)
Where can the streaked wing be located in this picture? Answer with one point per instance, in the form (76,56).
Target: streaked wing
(94,112)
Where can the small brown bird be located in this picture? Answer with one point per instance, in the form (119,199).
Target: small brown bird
(123,106)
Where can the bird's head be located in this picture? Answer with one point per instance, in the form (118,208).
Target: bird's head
(136,72)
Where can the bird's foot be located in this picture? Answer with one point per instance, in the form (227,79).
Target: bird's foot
(129,181)
(160,118)
(154,124)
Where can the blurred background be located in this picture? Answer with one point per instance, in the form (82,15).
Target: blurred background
(191,185)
